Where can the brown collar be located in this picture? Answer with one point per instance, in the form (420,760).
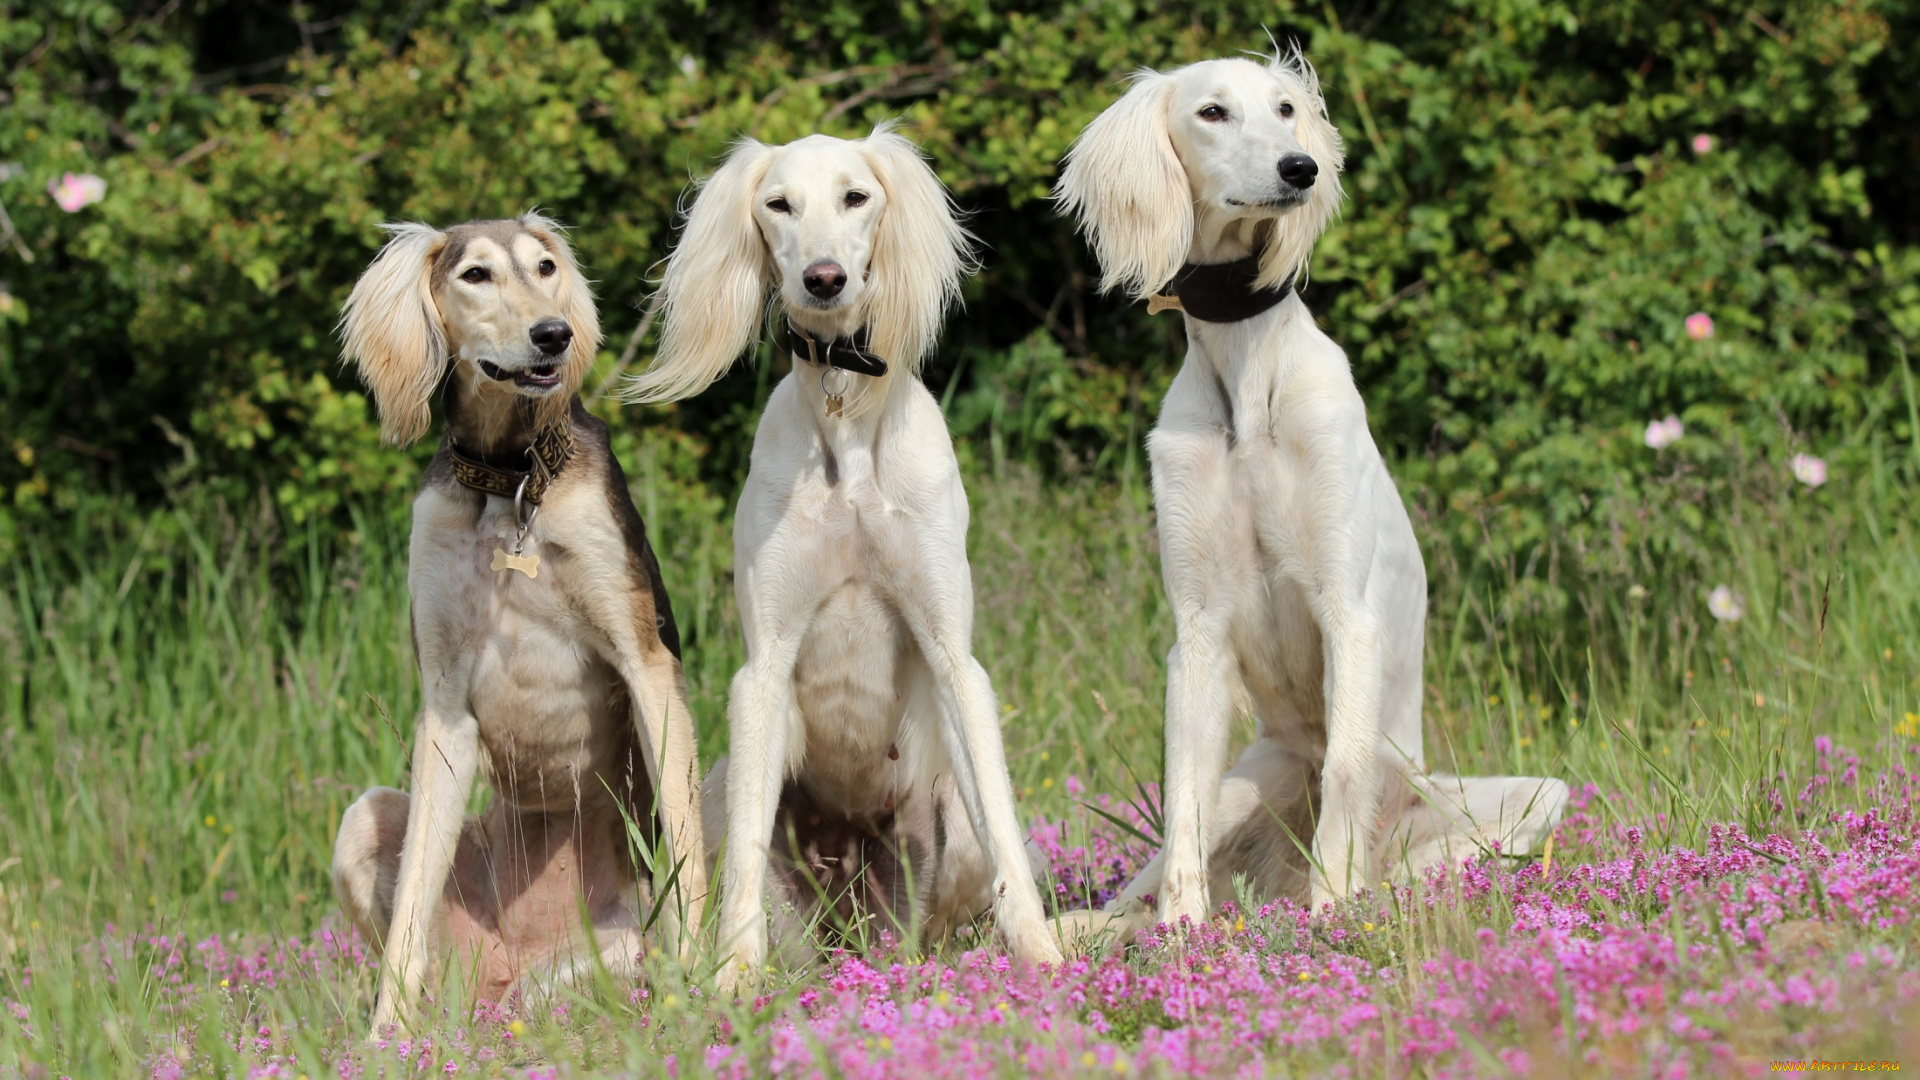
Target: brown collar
(544,460)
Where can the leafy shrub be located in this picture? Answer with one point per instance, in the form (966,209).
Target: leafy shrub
(1542,193)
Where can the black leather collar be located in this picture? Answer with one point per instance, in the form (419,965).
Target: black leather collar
(847,354)
(1224,292)
(543,461)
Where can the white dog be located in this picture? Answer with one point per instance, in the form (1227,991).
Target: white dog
(1296,583)
(547,648)
(860,696)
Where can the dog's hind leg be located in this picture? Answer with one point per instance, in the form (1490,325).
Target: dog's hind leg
(963,880)
(465,921)
(366,861)
(1439,819)
(1259,828)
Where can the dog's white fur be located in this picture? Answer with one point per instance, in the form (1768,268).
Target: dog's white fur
(1296,582)
(536,680)
(850,538)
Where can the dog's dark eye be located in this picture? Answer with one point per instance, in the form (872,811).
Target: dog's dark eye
(547,268)
(1213,114)
(476,274)
(856,198)
(779,206)
(1286,108)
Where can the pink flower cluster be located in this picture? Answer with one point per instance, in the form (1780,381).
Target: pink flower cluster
(1090,873)
(1623,950)
(1641,951)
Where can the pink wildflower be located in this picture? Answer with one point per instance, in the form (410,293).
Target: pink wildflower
(1809,470)
(1699,326)
(1703,144)
(74,193)
(1664,433)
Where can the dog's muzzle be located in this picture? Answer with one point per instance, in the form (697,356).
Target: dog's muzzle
(552,337)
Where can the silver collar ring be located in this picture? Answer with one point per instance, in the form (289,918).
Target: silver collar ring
(846,379)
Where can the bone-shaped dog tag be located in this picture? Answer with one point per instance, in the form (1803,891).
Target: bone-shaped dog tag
(1157,304)
(834,404)
(526,564)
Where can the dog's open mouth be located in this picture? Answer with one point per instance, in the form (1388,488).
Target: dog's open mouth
(538,377)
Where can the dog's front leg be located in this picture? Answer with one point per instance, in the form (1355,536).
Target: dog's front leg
(759,718)
(446,754)
(666,730)
(1349,778)
(1199,706)
(971,732)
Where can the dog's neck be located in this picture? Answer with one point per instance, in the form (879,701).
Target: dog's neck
(1220,237)
(487,419)
(859,391)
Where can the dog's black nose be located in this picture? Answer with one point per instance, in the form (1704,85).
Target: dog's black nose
(1298,170)
(824,279)
(551,336)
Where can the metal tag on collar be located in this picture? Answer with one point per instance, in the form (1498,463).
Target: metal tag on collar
(836,398)
(504,560)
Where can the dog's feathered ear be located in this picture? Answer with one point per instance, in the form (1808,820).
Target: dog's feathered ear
(714,290)
(1125,184)
(920,252)
(393,333)
(575,298)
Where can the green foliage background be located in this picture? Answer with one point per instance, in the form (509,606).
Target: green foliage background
(1528,227)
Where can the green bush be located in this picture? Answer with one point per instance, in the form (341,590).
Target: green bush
(1529,226)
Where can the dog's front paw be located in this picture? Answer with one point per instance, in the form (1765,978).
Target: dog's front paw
(1183,896)
(1325,891)
(737,977)
(389,1020)
(741,965)
(1028,936)
(1035,945)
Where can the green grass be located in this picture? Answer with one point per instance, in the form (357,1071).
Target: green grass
(190,701)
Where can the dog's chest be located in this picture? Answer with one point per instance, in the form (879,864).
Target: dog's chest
(549,706)
(857,666)
(852,684)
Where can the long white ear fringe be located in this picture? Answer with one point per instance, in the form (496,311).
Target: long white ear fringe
(714,288)
(921,253)
(1125,185)
(716,282)
(391,330)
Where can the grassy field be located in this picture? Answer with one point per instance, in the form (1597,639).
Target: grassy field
(188,703)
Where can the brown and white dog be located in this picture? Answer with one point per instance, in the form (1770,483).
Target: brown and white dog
(547,649)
